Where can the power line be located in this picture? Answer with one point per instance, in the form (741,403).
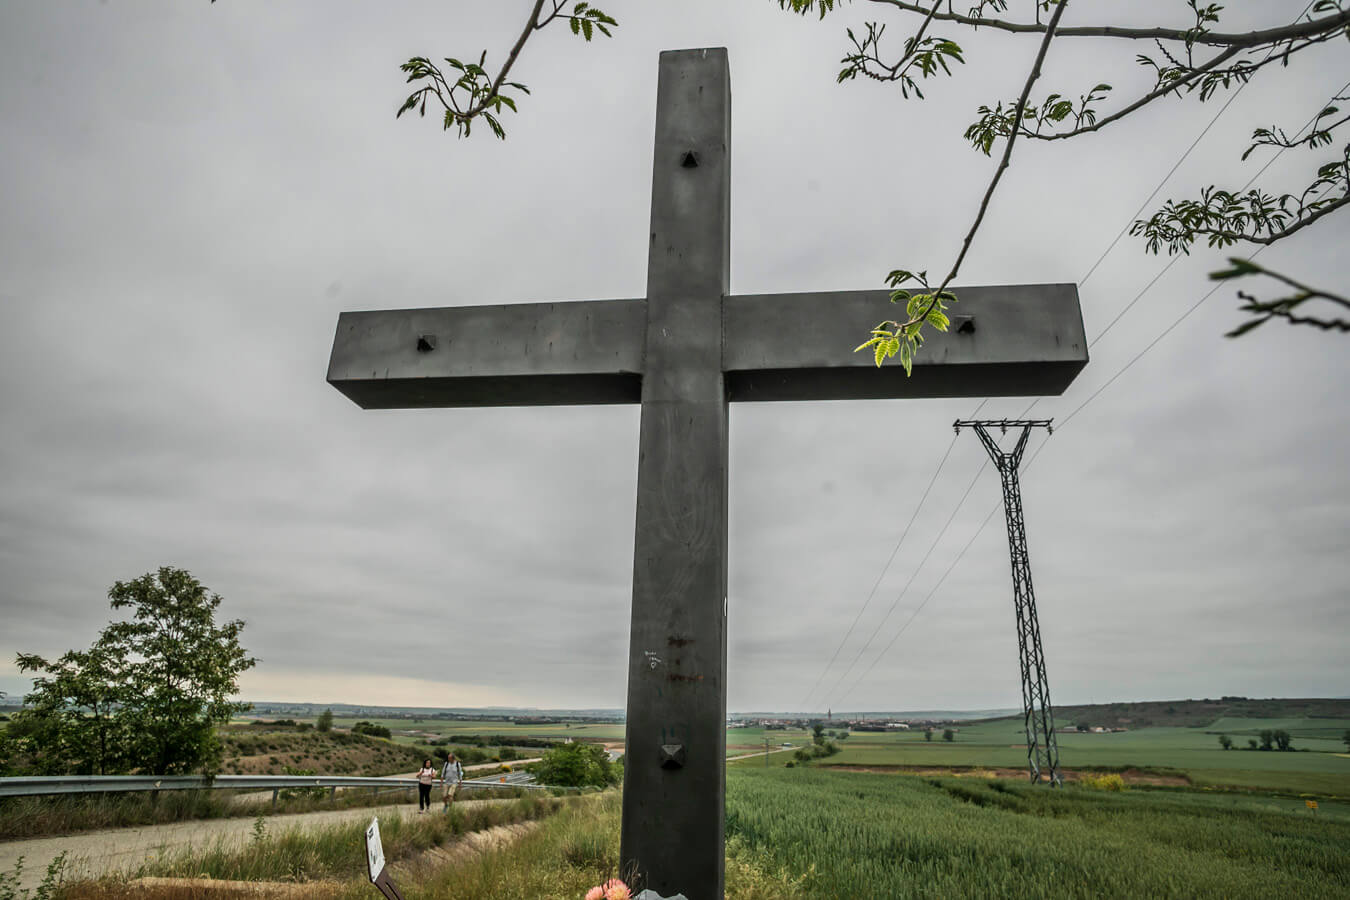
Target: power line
(1176,259)
(1035,401)
(913,575)
(882,575)
(1076,410)
(1172,171)
(1126,227)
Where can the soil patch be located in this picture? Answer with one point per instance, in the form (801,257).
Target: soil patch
(1131,776)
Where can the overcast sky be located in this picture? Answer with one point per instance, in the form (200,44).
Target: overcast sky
(191,193)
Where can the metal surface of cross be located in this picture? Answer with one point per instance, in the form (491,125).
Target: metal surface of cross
(683,352)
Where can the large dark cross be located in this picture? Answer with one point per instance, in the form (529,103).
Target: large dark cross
(683,353)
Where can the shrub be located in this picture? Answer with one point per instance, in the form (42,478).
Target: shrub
(1111,782)
(576,765)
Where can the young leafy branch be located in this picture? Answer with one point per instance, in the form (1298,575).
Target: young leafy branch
(1224,218)
(1281,307)
(903,338)
(474,92)
(1191,60)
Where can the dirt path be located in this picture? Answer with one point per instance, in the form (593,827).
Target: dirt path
(760,753)
(96,853)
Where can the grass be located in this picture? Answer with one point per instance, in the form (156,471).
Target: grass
(574,847)
(332,852)
(855,834)
(1194,752)
(809,834)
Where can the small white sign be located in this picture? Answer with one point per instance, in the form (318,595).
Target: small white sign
(374,850)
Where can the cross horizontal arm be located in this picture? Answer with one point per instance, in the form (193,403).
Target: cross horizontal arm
(1005,341)
(523,354)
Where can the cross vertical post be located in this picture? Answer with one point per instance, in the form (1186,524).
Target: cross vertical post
(1038,718)
(675,741)
(684,351)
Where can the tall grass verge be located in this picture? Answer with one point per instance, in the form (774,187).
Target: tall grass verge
(574,851)
(336,851)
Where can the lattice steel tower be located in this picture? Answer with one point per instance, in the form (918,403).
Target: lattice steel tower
(1037,715)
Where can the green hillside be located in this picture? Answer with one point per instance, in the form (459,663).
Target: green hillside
(1198,713)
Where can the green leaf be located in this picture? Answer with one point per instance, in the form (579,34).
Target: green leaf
(1244,328)
(880,353)
(1240,267)
(907,358)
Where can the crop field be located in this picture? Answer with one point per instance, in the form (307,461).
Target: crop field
(878,835)
(1317,765)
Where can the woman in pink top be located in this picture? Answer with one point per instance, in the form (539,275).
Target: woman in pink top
(425,776)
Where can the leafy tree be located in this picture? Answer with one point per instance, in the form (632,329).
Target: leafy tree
(817,732)
(1267,739)
(948,735)
(325,721)
(1251,744)
(1225,742)
(1188,59)
(928,734)
(370,728)
(150,692)
(70,716)
(187,668)
(1345,739)
(577,764)
(1282,739)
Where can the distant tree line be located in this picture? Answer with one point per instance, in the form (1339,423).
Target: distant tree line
(1270,739)
(146,697)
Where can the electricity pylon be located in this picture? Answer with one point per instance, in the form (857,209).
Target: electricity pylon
(1037,716)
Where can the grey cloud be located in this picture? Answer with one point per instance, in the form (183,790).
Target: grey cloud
(193,192)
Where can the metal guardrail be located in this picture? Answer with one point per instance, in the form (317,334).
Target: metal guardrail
(25,786)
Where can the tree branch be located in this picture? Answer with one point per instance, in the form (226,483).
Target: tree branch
(1333,22)
(903,338)
(1297,226)
(1186,81)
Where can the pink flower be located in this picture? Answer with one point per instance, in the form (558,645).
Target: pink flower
(617,890)
(596,893)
